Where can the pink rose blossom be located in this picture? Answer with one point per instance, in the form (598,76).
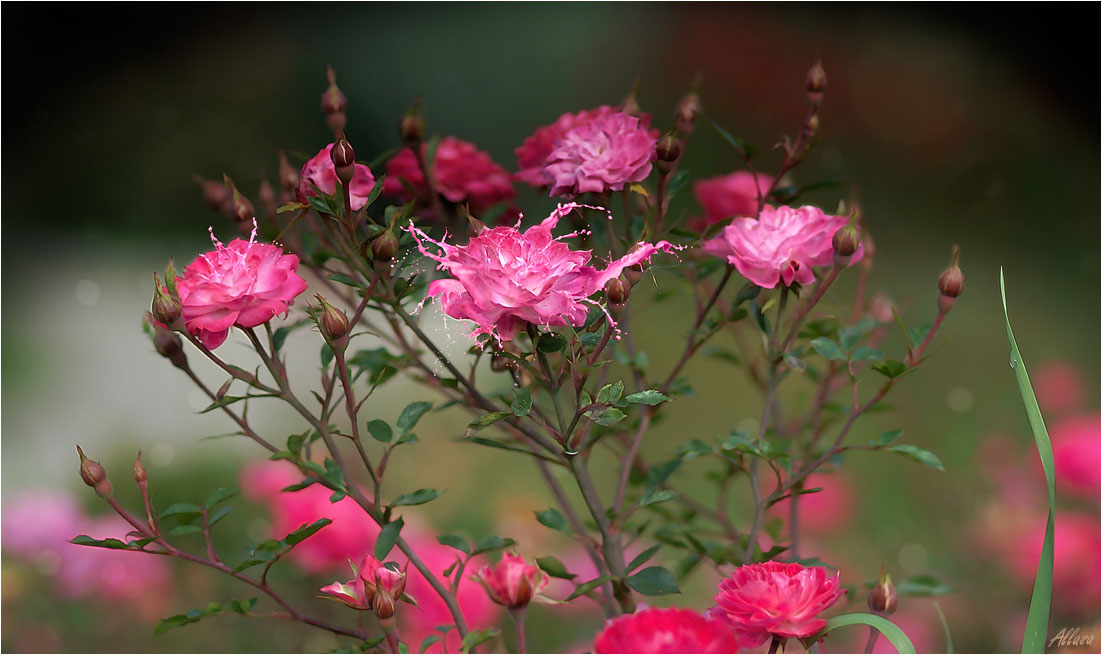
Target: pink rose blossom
(600,155)
(513,581)
(243,284)
(1077,454)
(504,277)
(320,172)
(532,154)
(773,599)
(728,196)
(668,630)
(464,174)
(376,587)
(783,245)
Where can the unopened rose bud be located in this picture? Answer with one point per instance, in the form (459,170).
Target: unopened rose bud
(384,246)
(630,105)
(845,242)
(169,346)
(94,476)
(243,211)
(333,100)
(383,604)
(501,364)
(513,581)
(616,290)
(883,598)
(811,127)
(951,284)
(816,83)
(216,195)
(342,154)
(687,111)
(332,322)
(668,151)
(139,470)
(412,126)
(288,175)
(165,308)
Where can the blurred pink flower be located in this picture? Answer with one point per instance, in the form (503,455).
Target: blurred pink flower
(823,511)
(320,172)
(1077,559)
(40,521)
(464,174)
(349,536)
(728,196)
(532,154)
(669,630)
(504,277)
(1059,387)
(1077,454)
(244,284)
(773,599)
(604,154)
(513,581)
(783,245)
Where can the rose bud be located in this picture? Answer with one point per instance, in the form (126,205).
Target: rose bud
(333,100)
(687,111)
(951,284)
(288,175)
(384,246)
(883,598)
(816,83)
(630,105)
(216,195)
(616,290)
(139,470)
(513,582)
(501,364)
(333,323)
(412,126)
(389,587)
(845,242)
(165,308)
(351,593)
(344,159)
(94,476)
(242,209)
(169,346)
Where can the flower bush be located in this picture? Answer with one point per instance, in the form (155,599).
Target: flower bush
(550,376)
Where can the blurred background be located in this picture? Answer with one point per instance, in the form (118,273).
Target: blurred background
(974,125)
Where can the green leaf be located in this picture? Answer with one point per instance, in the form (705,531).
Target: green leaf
(181,509)
(476,637)
(886,438)
(554,568)
(484,421)
(326,356)
(218,495)
(248,564)
(610,416)
(522,402)
(923,585)
(85,540)
(611,393)
(653,581)
(455,541)
(492,542)
(243,606)
(304,531)
(891,631)
(184,529)
(587,587)
(642,557)
(550,343)
(890,368)
(380,430)
(411,414)
(429,641)
(388,536)
(229,400)
(1040,603)
(660,473)
(864,353)
(419,497)
(740,146)
(647,397)
(552,518)
(827,348)
(919,455)
(655,496)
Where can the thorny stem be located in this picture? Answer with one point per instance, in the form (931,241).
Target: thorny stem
(241,422)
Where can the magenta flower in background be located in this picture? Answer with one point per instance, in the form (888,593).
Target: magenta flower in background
(1077,455)
(513,581)
(668,630)
(1059,387)
(823,511)
(320,172)
(464,174)
(504,277)
(783,245)
(728,196)
(603,154)
(773,599)
(1077,559)
(532,154)
(244,284)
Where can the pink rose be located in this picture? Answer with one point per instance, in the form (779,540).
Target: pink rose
(784,244)
(513,581)
(728,196)
(1077,454)
(464,174)
(504,277)
(668,630)
(1059,387)
(375,587)
(532,154)
(600,155)
(243,284)
(320,172)
(773,599)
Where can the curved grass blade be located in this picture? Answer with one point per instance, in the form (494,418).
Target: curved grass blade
(1036,626)
(893,633)
(945,627)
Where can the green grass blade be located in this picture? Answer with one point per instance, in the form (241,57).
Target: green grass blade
(891,631)
(945,627)
(1036,626)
